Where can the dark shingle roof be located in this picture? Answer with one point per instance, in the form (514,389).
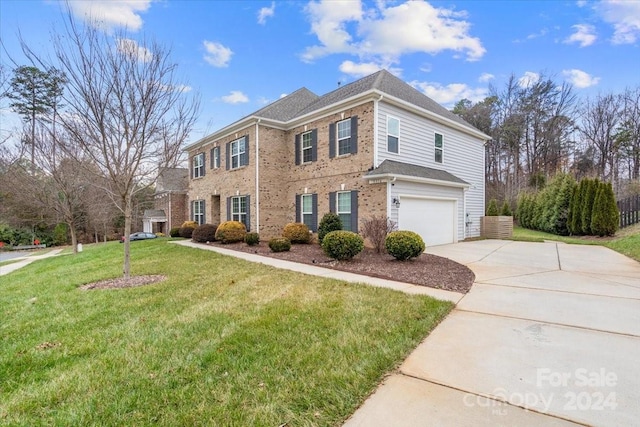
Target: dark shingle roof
(172,179)
(287,107)
(385,82)
(398,168)
(154,213)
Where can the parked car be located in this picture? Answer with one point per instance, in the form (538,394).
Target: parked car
(141,235)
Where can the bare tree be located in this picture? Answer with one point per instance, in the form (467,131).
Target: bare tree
(600,120)
(125,110)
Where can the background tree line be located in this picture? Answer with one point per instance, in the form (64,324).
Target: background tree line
(540,128)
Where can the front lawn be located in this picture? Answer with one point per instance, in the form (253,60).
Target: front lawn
(626,241)
(220,342)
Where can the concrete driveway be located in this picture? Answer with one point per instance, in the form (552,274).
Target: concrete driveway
(548,335)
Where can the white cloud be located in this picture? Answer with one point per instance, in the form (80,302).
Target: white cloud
(486,77)
(579,78)
(585,35)
(132,48)
(450,94)
(217,54)
(625,17)
(359,70)
(109,14)
(235,97)
(266,12)
(386,33)
(529,78)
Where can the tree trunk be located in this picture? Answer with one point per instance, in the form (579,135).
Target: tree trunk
(127,231)
(74,238)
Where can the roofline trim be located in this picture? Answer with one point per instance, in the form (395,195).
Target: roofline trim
(393,176)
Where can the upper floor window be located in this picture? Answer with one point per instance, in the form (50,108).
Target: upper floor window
(439,147)
(343,137)
(306,147)
(393,134)
(198,165)
(197,211)
(215,157)
(237,153)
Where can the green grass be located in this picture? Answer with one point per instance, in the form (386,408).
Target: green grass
(626,241)
(220,342)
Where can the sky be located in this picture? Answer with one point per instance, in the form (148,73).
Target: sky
(241,55)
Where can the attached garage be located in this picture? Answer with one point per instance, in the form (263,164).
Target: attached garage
(434,219)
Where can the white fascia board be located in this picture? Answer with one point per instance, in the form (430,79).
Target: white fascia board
(393,177)
(434,116)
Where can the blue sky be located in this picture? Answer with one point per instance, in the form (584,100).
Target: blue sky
(240,55)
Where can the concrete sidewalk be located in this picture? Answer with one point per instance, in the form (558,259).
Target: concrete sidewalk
(454,297)
(25,260)
(548,335)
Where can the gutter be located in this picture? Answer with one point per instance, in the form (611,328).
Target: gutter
(390,177)
(257,176)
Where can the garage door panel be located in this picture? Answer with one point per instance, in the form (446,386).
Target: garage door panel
(433,219)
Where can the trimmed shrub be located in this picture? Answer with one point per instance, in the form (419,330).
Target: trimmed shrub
(404,245)
(506,209)
(204,233)
(279,244)
(492,209)
(231,232)
(297,232)
(191,224)
(342,245)
(329,222)
(252,239)
(186,232)
(376,229)
(605,216)
(159,234)
(174,232)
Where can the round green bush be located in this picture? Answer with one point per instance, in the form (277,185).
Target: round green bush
(329,222)
(342,245)
(174,232)
(297,232)
(404,245)
(279,244)
(204,233)
(252,239)
(186,232)
(231,232)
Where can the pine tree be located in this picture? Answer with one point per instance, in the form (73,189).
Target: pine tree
(587,208)
(562,202)
(492,209)
(575,209)
(506,209)
(605,216)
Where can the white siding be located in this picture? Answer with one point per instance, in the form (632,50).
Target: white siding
(404,188)
(463,156)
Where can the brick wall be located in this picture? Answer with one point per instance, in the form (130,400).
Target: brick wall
(280,179)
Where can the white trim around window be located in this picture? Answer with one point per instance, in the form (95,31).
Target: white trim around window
(198,165)
(343,208)
(438,156)
(197,211)
(343,137)
(238,148)
(393,134)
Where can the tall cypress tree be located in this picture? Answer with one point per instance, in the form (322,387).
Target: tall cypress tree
(575,210)
(587,207)
(605,216)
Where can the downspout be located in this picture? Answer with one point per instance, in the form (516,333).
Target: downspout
(464,213)
(375,130)
(258,176)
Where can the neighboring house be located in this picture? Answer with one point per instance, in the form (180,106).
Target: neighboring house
(376,146)
(170,201)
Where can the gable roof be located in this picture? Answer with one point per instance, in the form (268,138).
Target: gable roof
(391,168)
(172,179)
(303,102)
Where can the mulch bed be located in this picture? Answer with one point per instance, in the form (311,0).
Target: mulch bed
(426,270)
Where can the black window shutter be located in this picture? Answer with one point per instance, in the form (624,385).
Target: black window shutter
(354,211)
(354,134)
(192,211)
(191,167)
(314,145)
(332,140)
(314,212)
(332,202)
(228,208)
(211,156)
(204,165)
(228,156)
(247,221)
(297,149)
(298,208)
(245,157)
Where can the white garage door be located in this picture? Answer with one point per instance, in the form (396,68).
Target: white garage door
(434,220)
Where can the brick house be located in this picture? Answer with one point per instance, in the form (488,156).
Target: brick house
(376,146)
(170,201)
